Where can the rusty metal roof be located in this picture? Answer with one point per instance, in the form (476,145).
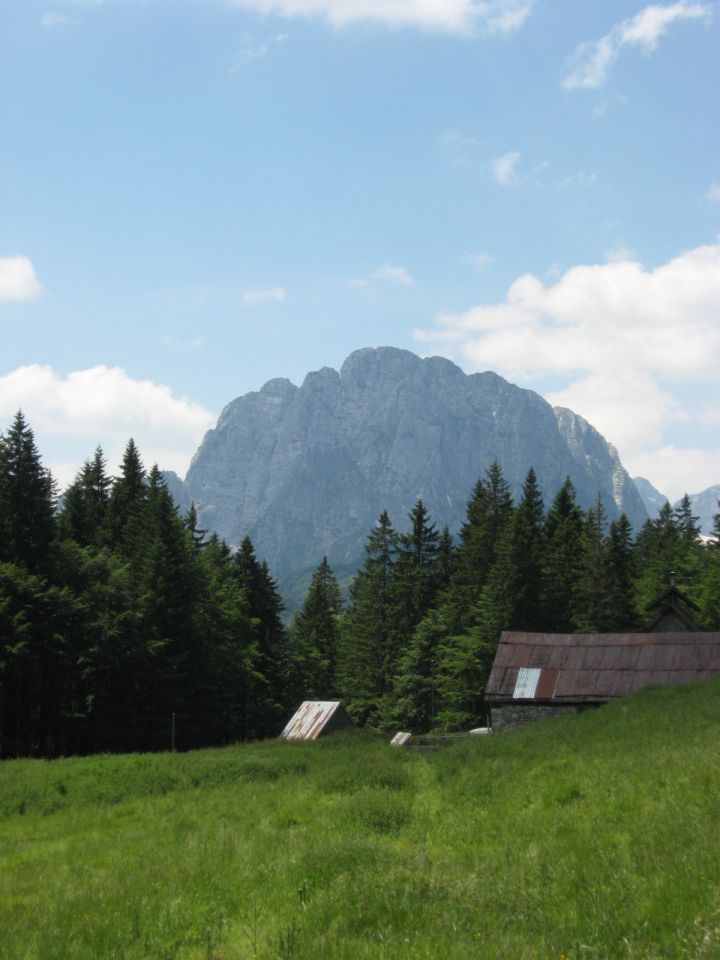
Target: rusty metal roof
(595,667)
(311,718)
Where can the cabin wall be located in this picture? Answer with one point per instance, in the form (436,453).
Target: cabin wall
(511,715)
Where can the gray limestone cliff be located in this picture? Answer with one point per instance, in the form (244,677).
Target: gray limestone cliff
(651,497)
(305,471)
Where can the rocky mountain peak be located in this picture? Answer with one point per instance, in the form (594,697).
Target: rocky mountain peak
(305,471)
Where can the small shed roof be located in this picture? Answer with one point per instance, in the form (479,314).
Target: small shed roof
(595,667)
(314,717)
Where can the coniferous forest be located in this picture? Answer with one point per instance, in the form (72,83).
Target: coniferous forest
(125,627)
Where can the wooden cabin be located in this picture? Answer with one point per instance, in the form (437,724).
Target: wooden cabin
(536,675)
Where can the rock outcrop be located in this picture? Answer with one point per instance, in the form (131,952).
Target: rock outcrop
(305,471)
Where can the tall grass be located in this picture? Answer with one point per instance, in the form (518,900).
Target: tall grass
(595,836)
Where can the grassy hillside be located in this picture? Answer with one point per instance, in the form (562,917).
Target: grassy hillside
(589,837)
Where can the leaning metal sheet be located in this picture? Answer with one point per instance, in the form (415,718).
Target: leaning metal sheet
(309,719)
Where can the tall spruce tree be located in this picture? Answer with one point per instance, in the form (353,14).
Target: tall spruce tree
(27,501)
(267,700)
(365,656)
(591,596)
(563,532)
(125,513)
(621,613)
(85,503)
(314,632)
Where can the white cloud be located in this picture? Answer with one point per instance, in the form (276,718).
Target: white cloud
(455,16)
(478,260)
(17,279)
(504,169)
(269,295)
(582,179)
(393,274)
(677,470)
(591,61)
(387,273)
(626,342)
(102,405)
(714,192)
(195,343)
(57,20)
(457,147)
(619,253)
(252,49)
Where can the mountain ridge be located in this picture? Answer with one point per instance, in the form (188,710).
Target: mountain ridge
(305,471)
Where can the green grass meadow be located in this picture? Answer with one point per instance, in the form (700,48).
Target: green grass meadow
(596,836)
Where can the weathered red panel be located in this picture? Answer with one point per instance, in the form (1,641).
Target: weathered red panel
(545,689)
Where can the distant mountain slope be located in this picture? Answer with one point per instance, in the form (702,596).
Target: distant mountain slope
(705,506)
(651,497)
(305,471)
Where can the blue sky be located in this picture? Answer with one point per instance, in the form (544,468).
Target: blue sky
(199,195)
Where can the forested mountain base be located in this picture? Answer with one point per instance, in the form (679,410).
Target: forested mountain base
(123,627)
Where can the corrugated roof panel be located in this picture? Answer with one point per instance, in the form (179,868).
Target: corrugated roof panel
(597,667)
(309,719)
(546,684)
(526,683)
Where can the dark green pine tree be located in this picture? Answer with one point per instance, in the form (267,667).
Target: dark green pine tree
(415,580)
(415,700)
(267,703)
(229,642)
(709,593)
(670,543)
(85,503)
(126,508)
(621,614)
(314,633)
(563,534)
(39,624)
(510,598)
(168,584)
(445,563)
(193,526)
(526,545)
(366,636)
(591,596)
(488,513)
(27,501)
(441,657)
(687,524)
(715,539)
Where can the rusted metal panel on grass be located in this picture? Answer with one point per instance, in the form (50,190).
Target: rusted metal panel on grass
(314,717)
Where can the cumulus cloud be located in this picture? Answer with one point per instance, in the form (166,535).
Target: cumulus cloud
(252,49)
(455,16)
(102,405)
(621,341)
(17,279)
(478,260)
(268,295)
(387,273)
(504,169)
(591,61)
(57,20)
(392,273)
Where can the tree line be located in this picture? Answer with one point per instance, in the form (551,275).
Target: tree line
(123,626)
(414,645)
